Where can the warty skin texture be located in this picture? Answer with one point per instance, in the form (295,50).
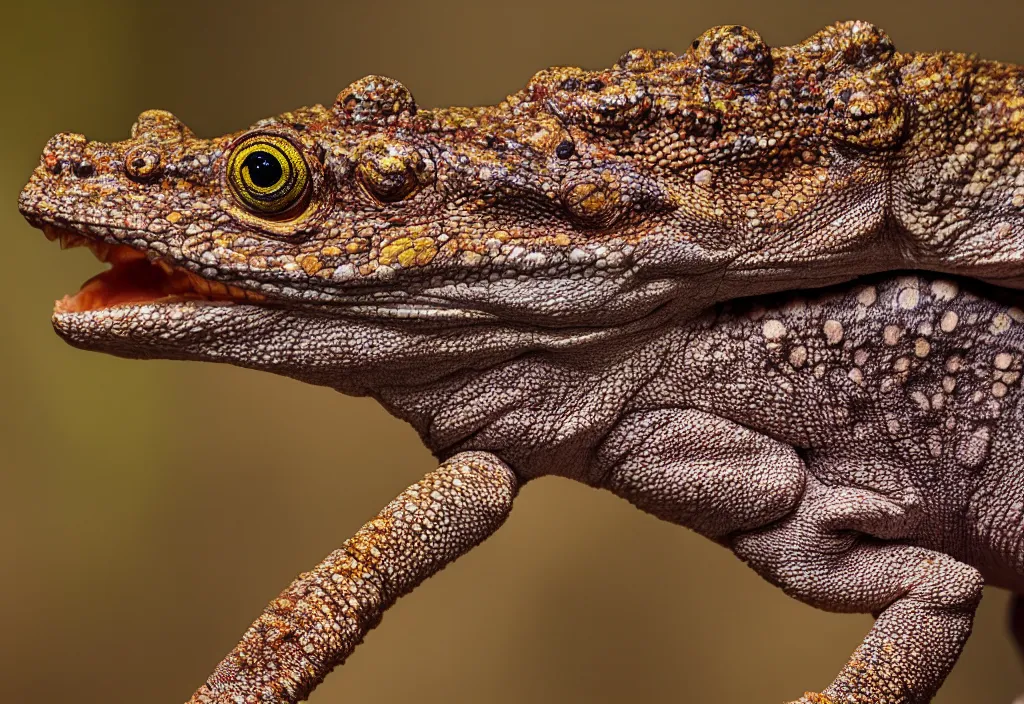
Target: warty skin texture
(590,198)
(858,447)
(528,285)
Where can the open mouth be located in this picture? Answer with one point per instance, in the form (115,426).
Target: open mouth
(135,279)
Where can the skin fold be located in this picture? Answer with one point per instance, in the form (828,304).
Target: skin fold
(538,286)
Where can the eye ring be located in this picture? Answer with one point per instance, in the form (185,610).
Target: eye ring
(268,176)
(142,164)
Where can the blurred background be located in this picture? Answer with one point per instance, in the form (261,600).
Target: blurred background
(149,510)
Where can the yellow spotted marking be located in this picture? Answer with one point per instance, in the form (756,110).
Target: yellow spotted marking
(310,264)
(409,252)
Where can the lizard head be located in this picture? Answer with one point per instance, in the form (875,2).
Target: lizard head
(589,203)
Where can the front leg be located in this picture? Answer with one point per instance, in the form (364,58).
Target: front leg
(841,551)
(835,548)
(700,471)
(314,624)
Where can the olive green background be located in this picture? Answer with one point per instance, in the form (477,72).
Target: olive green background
(148,510)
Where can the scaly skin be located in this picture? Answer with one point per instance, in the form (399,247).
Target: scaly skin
(592,198)
(316,623)
(529,283)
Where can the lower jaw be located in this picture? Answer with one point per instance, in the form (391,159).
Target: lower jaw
(139,318)
(74,304)
(168,328)
(151,307)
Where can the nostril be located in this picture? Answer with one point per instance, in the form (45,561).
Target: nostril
(62,152)
(84,169)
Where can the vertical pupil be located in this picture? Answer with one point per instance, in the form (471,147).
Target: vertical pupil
(264,168)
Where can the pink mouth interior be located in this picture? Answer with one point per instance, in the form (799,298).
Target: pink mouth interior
(134,278)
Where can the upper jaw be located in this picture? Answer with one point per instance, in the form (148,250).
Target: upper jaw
(144,284)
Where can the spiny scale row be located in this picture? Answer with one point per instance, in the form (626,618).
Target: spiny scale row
(729,55)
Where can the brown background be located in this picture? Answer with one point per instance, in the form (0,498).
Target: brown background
(149,510)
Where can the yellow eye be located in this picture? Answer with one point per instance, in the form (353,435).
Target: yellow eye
(268,175)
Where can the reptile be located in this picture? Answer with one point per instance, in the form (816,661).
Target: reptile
(549,286)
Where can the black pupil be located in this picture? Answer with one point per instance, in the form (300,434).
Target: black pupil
(264,169)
